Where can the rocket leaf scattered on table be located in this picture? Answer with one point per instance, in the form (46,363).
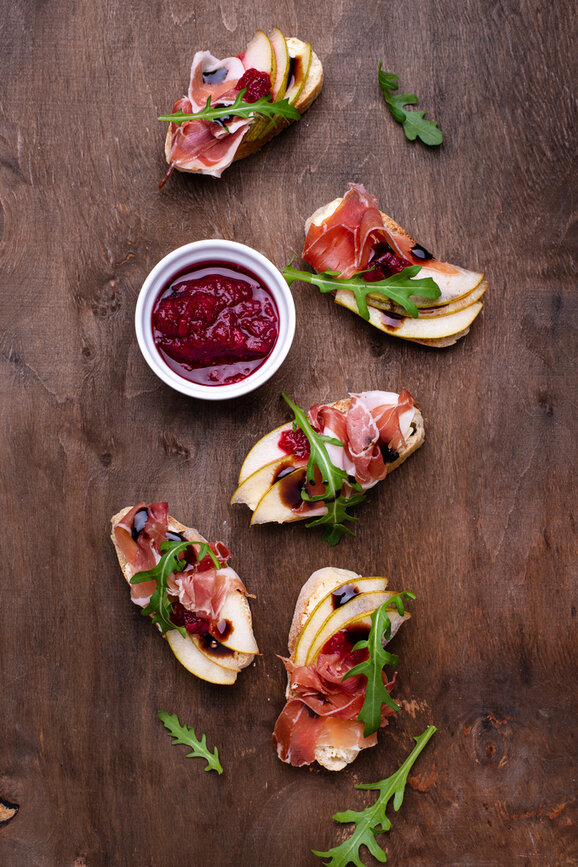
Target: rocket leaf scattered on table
(414,123)
(186,735)
(373,820)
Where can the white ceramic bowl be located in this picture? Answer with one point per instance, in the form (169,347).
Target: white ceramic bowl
(214,250)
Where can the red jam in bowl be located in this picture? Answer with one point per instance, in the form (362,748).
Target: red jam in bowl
(215,323)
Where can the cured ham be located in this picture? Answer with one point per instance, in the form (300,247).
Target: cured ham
(201,145)
(322,709)
(347,238)
(200,588)
(376,422)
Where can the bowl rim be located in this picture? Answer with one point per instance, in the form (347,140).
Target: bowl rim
(218,249)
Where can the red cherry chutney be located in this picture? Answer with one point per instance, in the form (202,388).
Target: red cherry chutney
(215,323)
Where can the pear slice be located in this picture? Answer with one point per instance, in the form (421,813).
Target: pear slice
(349,617)
(259,482)
(327,605)
(300,54)
(198,663)
(240,639)
(275,505)
(279,83)
(264,452)
(221,656)
(453,285)
(426,328)
(431,312)
(260,55)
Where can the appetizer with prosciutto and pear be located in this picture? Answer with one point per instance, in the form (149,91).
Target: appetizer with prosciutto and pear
(317,466)
(234,106)
(186,586)
(338,695)
(377,270)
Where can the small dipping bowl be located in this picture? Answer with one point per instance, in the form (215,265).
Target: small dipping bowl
(219,253)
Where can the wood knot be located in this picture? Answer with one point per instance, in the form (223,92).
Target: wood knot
(7,811)
(175,448)
(107,301)
(490,740)
(545,402)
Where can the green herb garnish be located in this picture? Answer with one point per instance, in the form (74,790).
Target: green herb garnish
(186,735)
(264,107)
(413,122)
(398,288)
(332,477)
(159,606)
(376,693)
(373,820)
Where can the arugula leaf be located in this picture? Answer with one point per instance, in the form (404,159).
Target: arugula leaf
(398,288)
(159,606)
(373,820)
(264,107)
(336,514)
(376,693)
(332,478)
(413,122)
(186,735)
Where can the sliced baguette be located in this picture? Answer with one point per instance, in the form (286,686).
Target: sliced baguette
(309,93)
(235,660)
(319,585)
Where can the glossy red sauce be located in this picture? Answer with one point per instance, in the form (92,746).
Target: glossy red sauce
(215,324)
(257,84)
(294,442)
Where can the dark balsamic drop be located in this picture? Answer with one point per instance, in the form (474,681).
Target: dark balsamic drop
(420,252)
(215,76)
(224,629)
(174,537)
(389,455)
(290,487)
(212,646)
(343,595)
(139,522)
(283,470)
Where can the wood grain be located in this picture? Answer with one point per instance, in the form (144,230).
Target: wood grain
(479,523)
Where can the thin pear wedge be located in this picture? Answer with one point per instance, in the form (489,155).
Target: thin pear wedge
(347,591)
(258,483)
(411,329)
(189,655)
(350,617)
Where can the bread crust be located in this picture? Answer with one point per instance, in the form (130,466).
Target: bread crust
(310,92)
(190,535)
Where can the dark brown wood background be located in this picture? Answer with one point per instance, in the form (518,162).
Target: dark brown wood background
(478,523)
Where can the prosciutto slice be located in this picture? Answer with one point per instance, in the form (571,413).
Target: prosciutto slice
(321,710)
(345,240)
(200,587)
(205,146)
(374,420)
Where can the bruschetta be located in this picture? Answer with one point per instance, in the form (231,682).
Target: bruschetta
(271,66)
(204,599)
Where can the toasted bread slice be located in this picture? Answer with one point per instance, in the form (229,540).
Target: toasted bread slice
(316,590)
(221,667)
(460,293)
(266,480)
(308,94)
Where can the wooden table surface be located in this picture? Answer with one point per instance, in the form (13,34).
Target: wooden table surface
(478,523)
